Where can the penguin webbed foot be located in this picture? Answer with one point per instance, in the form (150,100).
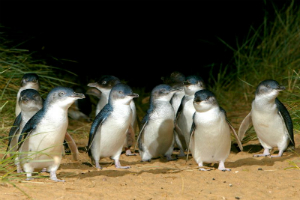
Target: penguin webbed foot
(129,153)
(119,166)
(203,169)
(170,158)
(54,178)
(261,155)
(149,160)
(98,166)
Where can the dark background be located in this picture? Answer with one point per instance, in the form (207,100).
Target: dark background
(139,42)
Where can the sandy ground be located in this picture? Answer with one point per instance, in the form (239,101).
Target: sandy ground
(249,178)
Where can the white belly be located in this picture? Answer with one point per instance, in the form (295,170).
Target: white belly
(211,141)
(270,129)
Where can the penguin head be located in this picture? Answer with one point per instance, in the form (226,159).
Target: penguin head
(204,100)
(121,93)
(268,89)
(30,80)
(105,83)
(176,78)
(62,96)
(162,92)
(30,100)
(192,84)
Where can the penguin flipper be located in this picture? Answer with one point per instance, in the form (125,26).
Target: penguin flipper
(233,130)
(180,109)
(72,145)
(30,126)
(246,123)
(284,113)
(143,125)
(100,118)
(14,129)
(193,127)
(235,135)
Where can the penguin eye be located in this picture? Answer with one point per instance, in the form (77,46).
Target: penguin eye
(34,80)
(27,79)
(61,94)
(120,92)
(104,82)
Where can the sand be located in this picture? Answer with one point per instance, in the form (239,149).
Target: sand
(250,177)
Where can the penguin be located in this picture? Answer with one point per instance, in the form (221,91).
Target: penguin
(156,138)
(175,80)
(30,102)
(42,137)
(184,115)
(104,85)
(210,139)
(270,119)
(109,129)
(29,81)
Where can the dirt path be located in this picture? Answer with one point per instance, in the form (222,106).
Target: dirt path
(249,178)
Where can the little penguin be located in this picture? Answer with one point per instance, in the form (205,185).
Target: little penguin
(270,119)
(30,102)
(210,139)
(156,137)
(184,115)
(29,81)
(104,85)
(41,141)
(109,129)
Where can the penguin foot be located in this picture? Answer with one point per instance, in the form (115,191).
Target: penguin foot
(98,166)
(261,155)
(203,169)
(181,154)
(118,165)
(44,170)
(54,178)
(149,160)
(129,153)
(225,169)
(169,158)
(275,156)
(29,179)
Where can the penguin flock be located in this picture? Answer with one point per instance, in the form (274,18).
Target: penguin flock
(182,113)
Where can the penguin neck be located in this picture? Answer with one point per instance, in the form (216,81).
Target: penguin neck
(26,115)
(262,102)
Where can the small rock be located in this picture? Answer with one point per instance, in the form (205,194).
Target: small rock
(213,179)
(259,169)
(237,197)
(224,182)
(230,185)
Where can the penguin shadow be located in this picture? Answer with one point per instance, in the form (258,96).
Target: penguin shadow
(265,161)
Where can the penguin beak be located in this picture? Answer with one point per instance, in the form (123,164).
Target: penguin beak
(78,95)
(280,88)
(96,85)
(134,95)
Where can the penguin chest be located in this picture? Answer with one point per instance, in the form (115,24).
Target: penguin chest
(186,118)
(211,141)
(158,134)
(111,136)
(49,134)
(269,127)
